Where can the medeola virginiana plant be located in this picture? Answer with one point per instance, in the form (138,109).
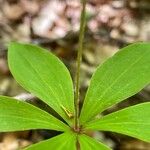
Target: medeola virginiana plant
(44,75)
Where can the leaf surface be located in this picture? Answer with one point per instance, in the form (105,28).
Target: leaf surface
(44,75)
(88,143)
(65,141)
(118,78)
(16,115)
(132,121)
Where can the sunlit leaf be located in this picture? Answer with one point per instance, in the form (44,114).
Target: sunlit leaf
(133,121)
(65,141)
(16,115)
(120,77)
(44,75)
(88,143)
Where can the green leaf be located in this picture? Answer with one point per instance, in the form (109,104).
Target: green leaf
(44,75)
(65,141)
(88,143)
(133,121)
(120,77)
(16,115)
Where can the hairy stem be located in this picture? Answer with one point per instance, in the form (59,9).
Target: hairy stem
(79,60)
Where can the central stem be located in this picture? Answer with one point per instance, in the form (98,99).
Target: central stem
(79,60)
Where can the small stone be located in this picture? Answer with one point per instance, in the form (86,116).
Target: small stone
(115,34)
(89,56)
(13,12)
(118,4)
(4,85)
(131,29)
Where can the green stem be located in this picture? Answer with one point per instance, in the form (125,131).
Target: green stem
(79,60)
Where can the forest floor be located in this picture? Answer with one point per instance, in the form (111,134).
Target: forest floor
(54,24)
